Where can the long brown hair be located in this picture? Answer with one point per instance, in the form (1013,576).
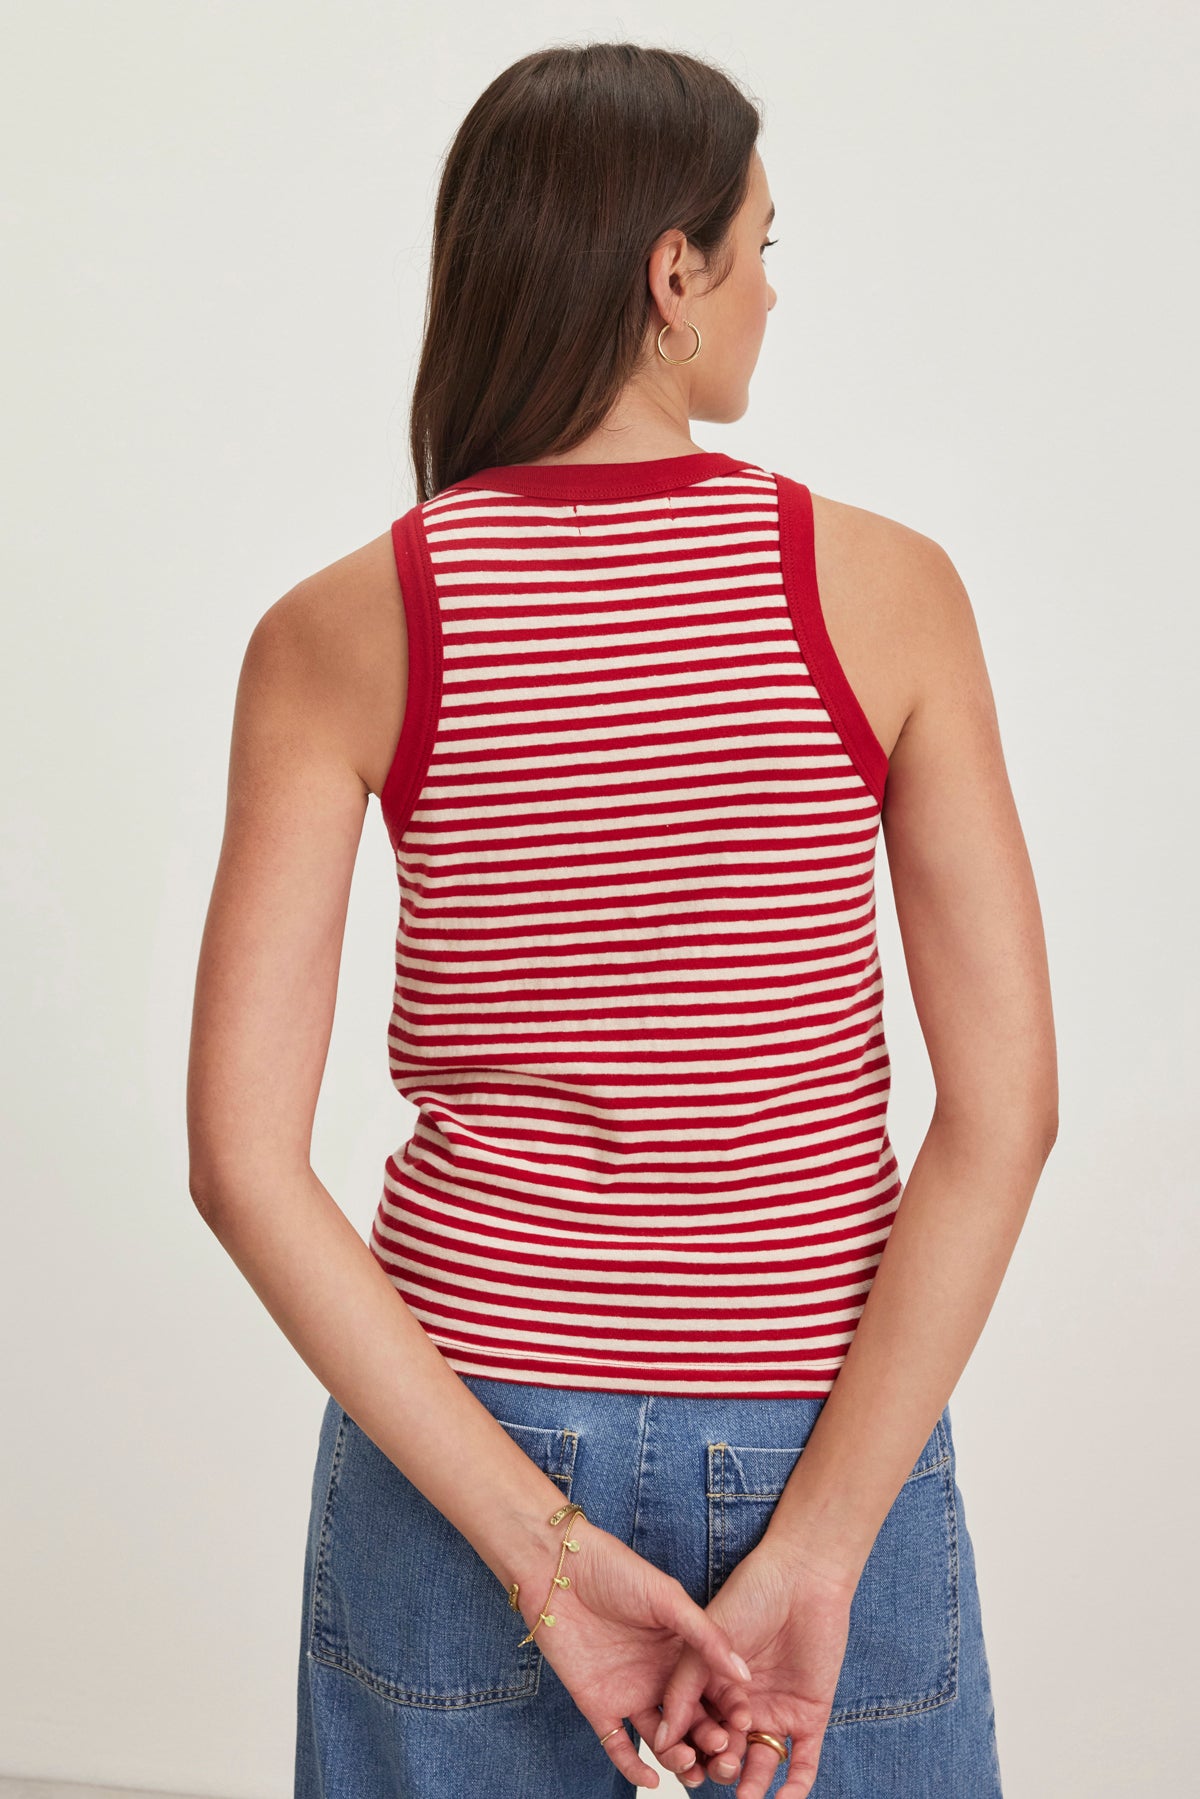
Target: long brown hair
(562,175)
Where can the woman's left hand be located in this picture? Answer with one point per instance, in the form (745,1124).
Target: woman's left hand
(791,1620)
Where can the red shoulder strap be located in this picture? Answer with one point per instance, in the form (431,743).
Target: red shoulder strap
(423,695)
(797,549)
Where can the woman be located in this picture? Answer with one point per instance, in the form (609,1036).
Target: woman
(658,1443)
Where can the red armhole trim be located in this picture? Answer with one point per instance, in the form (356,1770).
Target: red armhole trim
(422,699)
(797,550)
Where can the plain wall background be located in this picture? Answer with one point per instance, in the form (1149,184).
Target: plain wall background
(218,216)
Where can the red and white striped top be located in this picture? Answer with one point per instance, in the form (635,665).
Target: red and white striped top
(638,998)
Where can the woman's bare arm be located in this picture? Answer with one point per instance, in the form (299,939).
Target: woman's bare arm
(973,942)
(264,1004)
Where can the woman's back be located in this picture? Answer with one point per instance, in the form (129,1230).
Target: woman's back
(635,800)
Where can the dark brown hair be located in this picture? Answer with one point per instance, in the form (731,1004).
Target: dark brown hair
(565,171)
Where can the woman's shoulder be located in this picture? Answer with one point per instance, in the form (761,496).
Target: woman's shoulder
(884,545)
(336,644)
(888,592)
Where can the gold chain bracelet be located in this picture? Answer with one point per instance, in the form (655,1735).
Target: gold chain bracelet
(560,1579)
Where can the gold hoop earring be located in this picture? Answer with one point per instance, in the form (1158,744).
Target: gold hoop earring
(677,359)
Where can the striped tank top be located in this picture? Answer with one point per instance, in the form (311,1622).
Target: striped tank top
(638,1001)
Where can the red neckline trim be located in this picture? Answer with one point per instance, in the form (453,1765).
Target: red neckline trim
(604,480)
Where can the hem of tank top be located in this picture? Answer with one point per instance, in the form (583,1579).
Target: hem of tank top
(603,480)
(797,550)
(732,1389)
(422,699)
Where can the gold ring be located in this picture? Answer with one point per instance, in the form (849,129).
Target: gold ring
(612,1732)
(763,1736)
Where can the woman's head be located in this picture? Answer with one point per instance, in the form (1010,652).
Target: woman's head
(593,194)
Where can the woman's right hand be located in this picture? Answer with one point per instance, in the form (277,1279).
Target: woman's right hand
(616,1638)
(791,1621)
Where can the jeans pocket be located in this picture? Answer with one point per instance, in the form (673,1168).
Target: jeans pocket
(401,1600)
(902,1649)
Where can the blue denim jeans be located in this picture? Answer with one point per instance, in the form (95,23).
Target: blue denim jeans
(413,1681)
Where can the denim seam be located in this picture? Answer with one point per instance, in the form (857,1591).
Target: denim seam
(451,1700)
(716,1516)
(335,1462)
(953,1548)
(567,1438)
(776,1492)
(643,1426)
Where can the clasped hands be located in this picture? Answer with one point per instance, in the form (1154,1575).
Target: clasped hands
(629,1643)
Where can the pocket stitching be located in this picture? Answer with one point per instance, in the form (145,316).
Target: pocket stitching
(948,1691)
(940,1465)
(527,1674)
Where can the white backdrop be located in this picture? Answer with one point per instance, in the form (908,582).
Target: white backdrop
(219,216)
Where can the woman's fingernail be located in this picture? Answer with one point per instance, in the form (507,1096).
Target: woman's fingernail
(660,1737)
(721,1743)
(741,1667)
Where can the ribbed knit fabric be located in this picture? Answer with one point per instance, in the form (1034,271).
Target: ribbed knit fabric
(638,998)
